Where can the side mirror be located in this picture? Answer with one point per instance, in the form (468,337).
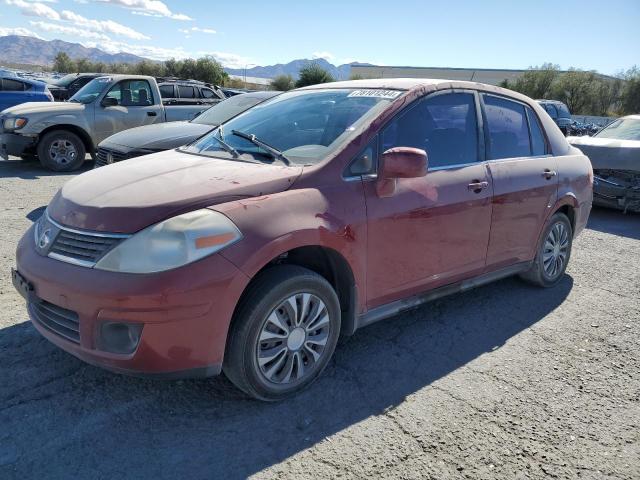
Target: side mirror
(399,162)
(109,102)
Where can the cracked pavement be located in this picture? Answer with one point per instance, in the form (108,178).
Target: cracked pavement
(503,382)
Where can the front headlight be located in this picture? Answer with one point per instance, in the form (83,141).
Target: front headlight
(14,123)
(175,242)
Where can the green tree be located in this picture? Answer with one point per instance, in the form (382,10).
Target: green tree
(282,83)
(63,64)
(207,69)
(575,89)
(313,74)
(537,81)
(630,101)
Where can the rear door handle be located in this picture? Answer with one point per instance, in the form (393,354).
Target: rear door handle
(152,114)
(549,174)
(477,186)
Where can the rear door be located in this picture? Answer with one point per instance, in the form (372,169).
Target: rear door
(525,179)
(136,107)
(434,230)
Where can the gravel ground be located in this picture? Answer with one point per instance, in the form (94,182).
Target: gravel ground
(506,381)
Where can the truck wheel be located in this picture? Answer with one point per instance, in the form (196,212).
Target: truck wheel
(553,253)
(61,151)
(283,334)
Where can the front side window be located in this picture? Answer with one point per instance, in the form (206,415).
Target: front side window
(206,93)
(507,128)
(551,110)
(445,126)
(304,125)
(131,93)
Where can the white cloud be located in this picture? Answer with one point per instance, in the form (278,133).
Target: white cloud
(187,31)
(152,8)
(324,55)
(229,60)
(72,31)
(103,26)
(154,53)
(35,9)
(19,31)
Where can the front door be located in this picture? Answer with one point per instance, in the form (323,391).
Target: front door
(434,230)
(136,106)
(525,180)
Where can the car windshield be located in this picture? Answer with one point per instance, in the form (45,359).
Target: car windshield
(227,109)
(623,129)
(91,90)
(305,125)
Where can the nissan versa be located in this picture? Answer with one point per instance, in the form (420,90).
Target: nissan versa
(310,215)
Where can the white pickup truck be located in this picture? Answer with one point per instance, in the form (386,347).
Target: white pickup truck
(60,134)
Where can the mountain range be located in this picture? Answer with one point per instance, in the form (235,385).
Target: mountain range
(17,49)
(21,50)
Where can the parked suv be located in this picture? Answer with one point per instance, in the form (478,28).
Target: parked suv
(189,92)
(316,213)
(560,114)
(66,87)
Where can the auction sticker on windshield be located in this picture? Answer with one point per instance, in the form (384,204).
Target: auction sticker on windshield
(375,93)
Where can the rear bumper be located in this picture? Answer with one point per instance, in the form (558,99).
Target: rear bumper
(185,312)
(15,144)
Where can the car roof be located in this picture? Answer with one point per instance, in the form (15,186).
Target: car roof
(557,102)
(30,81)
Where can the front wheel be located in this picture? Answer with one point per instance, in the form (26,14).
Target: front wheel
(553,253)
(283,334)
(61,151)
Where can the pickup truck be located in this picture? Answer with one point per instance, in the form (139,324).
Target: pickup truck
(62,133)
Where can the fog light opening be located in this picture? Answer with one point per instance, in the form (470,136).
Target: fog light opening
(118,337)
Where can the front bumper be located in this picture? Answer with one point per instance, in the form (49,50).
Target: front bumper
(612,195)
(186,312)
(15,144)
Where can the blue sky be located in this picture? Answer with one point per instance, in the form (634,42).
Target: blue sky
(586,34)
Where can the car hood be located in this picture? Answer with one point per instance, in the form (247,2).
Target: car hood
(609,153)
(162,136)
(45,107)
(128,196)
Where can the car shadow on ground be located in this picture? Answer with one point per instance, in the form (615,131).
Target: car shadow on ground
(32,170)
(615,222)
(61,416)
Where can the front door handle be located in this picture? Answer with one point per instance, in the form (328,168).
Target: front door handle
(477,186)
(549,174)
(152,114)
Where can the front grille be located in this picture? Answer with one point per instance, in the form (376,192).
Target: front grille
(82,247)
(102,157)
(56,319)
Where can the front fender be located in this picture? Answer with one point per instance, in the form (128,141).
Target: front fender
(271,225)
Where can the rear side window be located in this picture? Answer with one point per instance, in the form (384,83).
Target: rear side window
(507,127)
(445,126)
(166,91)
(10,85)
(186,91)
(538,144)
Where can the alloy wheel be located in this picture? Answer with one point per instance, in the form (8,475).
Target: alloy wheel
(293,338)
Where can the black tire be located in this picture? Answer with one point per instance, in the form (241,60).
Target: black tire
(269,291)
(539,274)
(65,140)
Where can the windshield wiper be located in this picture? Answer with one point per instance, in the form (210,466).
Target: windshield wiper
(225,145)
(275,153)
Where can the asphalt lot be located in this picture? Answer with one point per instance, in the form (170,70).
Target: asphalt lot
(503,382)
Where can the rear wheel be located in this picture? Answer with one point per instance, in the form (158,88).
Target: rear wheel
(284,333)
(61,151)
(553,253)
